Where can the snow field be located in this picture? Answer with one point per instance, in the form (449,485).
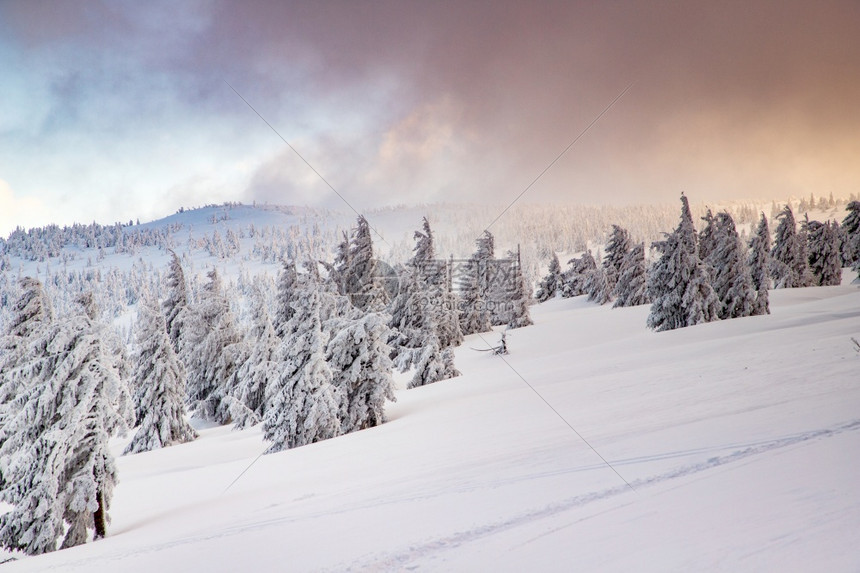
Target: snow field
(741,439)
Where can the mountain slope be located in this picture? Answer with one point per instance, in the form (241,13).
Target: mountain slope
(738,442)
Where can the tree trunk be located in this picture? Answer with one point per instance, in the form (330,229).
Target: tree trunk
(100,516)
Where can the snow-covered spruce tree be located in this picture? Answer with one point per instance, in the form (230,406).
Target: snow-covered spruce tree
(632,286)
(286,288)
(339,269)
(732,281)
(213,350)
(260,369)
(576,276)
(617,247)
(708,236)
(851,232)
(432,277)
(824,253)
(551,285)
(759,263)
(301,405)
(597,286)
(176,304)
(789,266)
(159,385)
(361,370)
(519,295)
(407,322)
(447,318)
(359,281)
(57,465)
(493,281)
(434,364)
(473,307)
(19,365)
(678,284)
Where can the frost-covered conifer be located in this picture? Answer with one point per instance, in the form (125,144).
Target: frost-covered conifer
(789,265)
(597,286)
(301,405)
(360,283)
(361,369)
(407,322)
(213,350)
(286,288)
(824,253)
(732,281)
(708,236)
(851,231)
(159,385)
(617,247)
(58,468)
(433,365)
(259,370)
(473,306)
(19,363)
(474,284)
(519,296)
(632,286)
(551,285)
(576,276)
(431,276)
(759,262)
(678,284)
(176,304)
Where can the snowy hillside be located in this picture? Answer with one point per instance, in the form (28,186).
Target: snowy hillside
(739,441)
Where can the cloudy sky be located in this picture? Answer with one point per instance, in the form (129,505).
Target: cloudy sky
(122,109)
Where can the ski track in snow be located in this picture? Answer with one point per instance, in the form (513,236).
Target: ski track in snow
(405,558)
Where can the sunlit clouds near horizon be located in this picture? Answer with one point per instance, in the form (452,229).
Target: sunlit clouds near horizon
(122,110)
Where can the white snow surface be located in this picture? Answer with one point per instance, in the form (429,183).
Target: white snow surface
(739,442)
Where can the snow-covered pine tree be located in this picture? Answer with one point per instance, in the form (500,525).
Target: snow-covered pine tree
(519,296)
(732,281)
(261,367)
(448,320)
(213,350)
(437,298)
(551,285)
(57,465)
(301,405)
(176,304)
(708,236)
(361,370)
(617,247)
(286,288)
(851,230)
(159,385)
(759,263)
(632,286)
(473,307)
(824,253)
(679,284)
(434,364)
(407,319)
(32,314)
(338,271)
(789,265)
(597,286)
(360,283)
(576,276)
